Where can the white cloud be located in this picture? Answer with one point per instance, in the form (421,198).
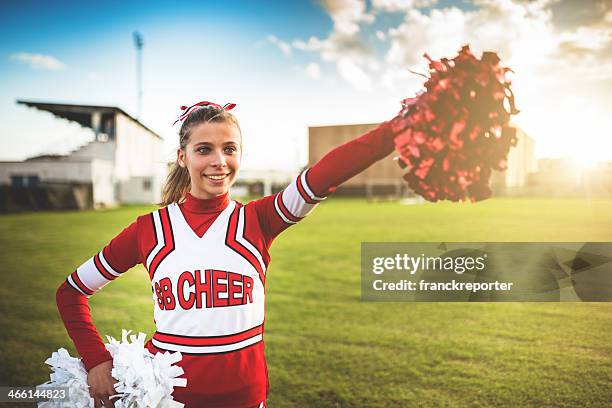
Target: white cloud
(336,46)
(439,33)
(400,78)
(313,70)
(354,75)
(527,41)
(313,44)
(401,5)
(38,61)
(521,32)
(592,38)
(282,45)
(552,63)
(344,46)
(347,14)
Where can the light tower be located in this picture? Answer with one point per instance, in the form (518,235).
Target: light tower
(138,43)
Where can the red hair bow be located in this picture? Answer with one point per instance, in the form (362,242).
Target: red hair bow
(187,110)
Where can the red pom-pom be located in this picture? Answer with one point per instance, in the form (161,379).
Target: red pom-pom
(450,137)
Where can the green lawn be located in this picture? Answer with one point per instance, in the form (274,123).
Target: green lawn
(325,347)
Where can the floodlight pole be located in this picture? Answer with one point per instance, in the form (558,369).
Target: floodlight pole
(138,43)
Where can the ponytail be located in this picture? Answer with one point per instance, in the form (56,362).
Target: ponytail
(177,185)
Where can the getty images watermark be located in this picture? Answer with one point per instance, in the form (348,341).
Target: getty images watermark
(503,271)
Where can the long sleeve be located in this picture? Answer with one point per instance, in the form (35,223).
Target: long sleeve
(74,311)
(349,159)
(71,296)
(279,211)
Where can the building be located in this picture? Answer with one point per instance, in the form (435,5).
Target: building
(521,165)
(122,164)
(382,178)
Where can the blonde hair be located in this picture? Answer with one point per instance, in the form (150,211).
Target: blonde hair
(178,182)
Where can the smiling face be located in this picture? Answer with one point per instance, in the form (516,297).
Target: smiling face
(212,157)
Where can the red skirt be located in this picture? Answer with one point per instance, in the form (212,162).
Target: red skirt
(237,379)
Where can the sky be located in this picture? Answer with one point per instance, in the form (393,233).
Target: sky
(290,65)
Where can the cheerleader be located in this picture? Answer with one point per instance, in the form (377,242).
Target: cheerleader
(207,257)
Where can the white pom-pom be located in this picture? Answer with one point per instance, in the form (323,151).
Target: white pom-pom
(143,379)
(68,372)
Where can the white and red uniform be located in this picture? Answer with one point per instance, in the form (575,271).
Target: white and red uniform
(207,260)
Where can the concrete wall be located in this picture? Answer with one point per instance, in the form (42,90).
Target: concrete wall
(103,183)
(322,139)
(97,172)
(51,170)
(521,161)
(138,157)
(140,190)
(387,174)
(95,150)
(521,164)
(128,169)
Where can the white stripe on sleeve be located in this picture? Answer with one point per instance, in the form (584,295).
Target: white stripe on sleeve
(90,276)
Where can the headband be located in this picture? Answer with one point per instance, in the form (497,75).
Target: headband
(188,110)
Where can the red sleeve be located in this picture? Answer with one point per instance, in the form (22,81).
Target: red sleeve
(74,310)
(351,158)
(71,297)
(271,224)
(279,211)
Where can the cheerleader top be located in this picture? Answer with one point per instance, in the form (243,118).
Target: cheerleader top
(207,262)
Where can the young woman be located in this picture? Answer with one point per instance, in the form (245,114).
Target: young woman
(207,257)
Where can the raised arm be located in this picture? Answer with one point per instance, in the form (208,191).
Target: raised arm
(279,211)
(349,159)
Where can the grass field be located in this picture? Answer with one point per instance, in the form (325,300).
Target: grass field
(325,347)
